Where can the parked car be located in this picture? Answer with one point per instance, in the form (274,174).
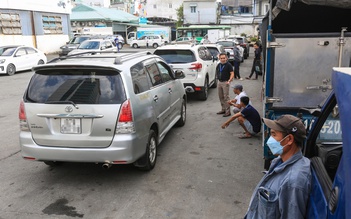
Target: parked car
(148,41)
(228,46)
(96,45)
(243,43)
(109,108)
(75,42)
(215,50)
(197,63)
(18,58)
(183,40)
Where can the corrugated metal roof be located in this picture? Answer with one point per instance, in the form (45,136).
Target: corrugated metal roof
(84,12)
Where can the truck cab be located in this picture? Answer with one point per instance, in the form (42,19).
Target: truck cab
(330,152)
(302,42)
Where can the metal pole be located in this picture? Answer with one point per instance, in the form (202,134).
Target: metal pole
(341,45)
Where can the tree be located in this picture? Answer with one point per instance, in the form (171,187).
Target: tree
(180,16)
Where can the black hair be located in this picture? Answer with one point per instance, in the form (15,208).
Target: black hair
(245,100)
(223,53)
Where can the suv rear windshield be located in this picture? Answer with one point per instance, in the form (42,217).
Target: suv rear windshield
(226,43)
(80,86)
(176,56)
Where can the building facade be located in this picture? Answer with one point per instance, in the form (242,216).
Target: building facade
(200,12)
(43,24)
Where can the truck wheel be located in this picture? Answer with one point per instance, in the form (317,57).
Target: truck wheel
(155,45)
(204,94)
(120,45)
(135,45)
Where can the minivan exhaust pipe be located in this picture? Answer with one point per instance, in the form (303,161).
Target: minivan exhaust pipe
(106,166)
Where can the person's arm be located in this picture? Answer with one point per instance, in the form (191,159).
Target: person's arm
(293,203)
(231,119)
(231,76)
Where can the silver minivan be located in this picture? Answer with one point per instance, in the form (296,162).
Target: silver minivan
(108,108)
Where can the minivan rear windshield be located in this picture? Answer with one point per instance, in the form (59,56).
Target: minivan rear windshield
(80,86)
(176,56)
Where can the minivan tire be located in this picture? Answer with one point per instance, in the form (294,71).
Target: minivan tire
(149,158)
(155,45)
(182,119)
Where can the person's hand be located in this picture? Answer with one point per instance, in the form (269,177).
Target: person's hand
(230,102)
(225,125)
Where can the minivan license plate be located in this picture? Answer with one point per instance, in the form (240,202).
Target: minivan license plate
(71,126)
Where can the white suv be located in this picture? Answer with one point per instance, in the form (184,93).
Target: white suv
(196,62)
(152,40)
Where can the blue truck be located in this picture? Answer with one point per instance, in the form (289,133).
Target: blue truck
(302,43)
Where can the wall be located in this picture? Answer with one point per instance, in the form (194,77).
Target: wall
(30,13)
(206,13)
(162,8)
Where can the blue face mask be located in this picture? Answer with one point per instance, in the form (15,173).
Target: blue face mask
(275,146)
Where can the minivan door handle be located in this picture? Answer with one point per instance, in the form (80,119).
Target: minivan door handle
(155,98)
(170,90)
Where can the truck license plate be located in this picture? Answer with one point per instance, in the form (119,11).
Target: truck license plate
(71,126)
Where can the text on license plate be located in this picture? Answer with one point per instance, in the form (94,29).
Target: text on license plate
(70,126)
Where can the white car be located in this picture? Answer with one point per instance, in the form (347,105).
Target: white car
(148,41)
(215,50)
(197,63)
(18,58)
(94,45)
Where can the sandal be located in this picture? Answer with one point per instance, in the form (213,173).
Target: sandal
(244,136)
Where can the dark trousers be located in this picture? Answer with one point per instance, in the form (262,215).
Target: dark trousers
(253,69)
(237,69)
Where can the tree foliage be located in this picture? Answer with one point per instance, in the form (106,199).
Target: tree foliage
(180,16)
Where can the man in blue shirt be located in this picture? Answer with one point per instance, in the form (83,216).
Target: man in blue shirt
(249,119)
(284,190)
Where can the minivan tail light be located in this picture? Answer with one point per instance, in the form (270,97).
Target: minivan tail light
(196,66)
(23,118)
(125,122)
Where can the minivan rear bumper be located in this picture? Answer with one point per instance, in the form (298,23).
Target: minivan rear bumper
(124,149)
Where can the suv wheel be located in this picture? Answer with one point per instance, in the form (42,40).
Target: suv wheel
(182,119)
(204,94)
(148,161)
(135,45)
(155,45)
(214,85)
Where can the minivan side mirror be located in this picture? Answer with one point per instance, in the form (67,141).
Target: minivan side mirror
(179,74)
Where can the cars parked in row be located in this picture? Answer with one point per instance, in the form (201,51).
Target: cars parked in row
(183,40)
(148,41)
(18,58)
(243,43)
(74,43)
(109,108)
(96,45)
(198,64)
(228,46)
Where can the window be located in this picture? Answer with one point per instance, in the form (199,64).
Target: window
(155,6)
(30,50)
(176,56)
(165,71)
(139,78)
(21,52)
(10,24)
(170,5)
(52,24)
(266,8)
(154,74)
(192,9)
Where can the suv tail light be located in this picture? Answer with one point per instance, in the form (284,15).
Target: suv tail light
(196,67)
(125,122)
(243,44)
(23,118)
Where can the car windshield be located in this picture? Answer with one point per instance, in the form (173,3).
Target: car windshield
(81,86)
(240,40)
(176,56)
(214,52)
(226,43)
(78,40)
(89,45)
(7,51)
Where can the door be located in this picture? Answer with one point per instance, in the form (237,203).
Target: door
(21,60)
(174,92)
(159,94)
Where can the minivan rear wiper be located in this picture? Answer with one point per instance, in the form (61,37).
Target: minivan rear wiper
(62,102)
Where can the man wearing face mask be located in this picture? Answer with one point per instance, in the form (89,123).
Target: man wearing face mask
(284,190)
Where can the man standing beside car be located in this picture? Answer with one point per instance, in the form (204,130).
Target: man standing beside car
(225,75)
(237,60)
(284,190)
